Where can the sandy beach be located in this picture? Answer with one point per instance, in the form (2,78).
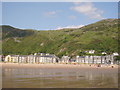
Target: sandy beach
(58,76)
(18,65)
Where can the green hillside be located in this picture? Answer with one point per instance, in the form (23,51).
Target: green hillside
(100,36)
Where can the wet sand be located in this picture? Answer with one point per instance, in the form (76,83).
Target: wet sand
(58,76)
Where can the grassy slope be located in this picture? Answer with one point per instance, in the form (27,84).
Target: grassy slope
(101,36)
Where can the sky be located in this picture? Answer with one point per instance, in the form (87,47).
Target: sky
(56,15)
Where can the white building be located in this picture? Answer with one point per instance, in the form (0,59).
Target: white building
(104,53)
(115,54)
(65,59)
(91,51)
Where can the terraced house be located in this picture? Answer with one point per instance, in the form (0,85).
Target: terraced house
(51,58)
(108,59)
(42,58)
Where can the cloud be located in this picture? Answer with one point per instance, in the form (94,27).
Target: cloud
(70,27)
(88,9)
(76,3)
(72,17)
(50,13)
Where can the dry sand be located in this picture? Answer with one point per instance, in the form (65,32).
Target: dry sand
(17,65)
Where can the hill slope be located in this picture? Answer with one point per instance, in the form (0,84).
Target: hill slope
(100,36)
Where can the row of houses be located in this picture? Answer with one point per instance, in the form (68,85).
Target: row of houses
(108,59)
(31,58)
(51,58)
